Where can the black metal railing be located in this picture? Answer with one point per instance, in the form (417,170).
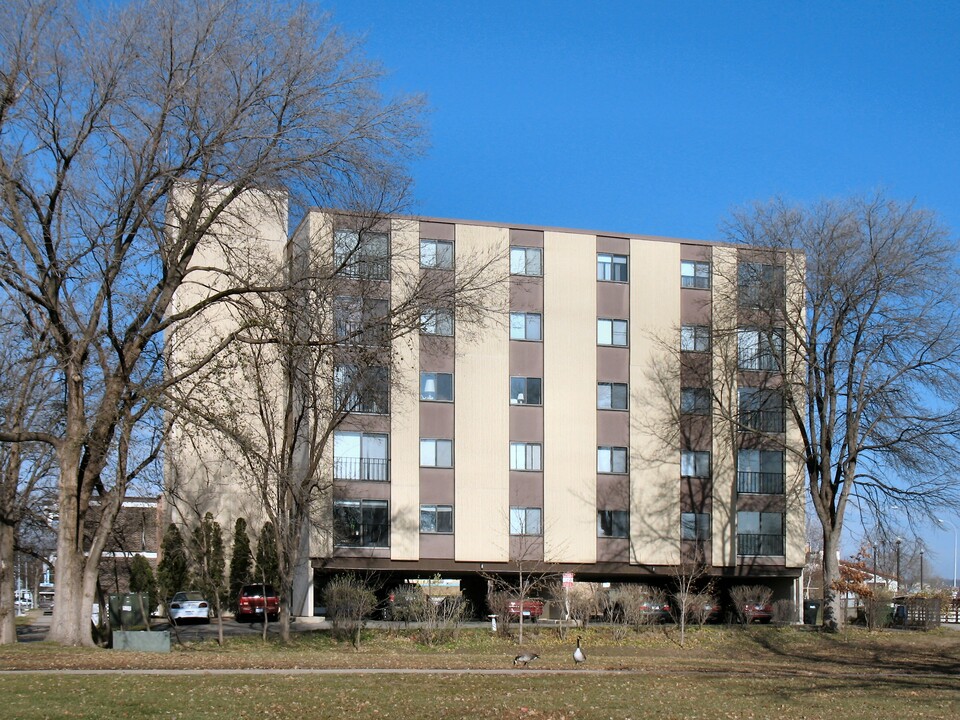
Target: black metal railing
(763,420)
(750,544)
(366,535)
(355,468)
(760,483)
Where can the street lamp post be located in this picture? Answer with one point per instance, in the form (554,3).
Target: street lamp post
(921,571)
(954,528)
(898,565)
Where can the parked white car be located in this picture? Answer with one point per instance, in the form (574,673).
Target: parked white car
(189,605)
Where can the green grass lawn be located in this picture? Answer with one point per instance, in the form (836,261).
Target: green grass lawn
(721,673)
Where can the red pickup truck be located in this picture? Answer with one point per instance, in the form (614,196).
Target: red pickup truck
(532,609)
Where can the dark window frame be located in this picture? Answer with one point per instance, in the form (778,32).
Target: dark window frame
(613,523)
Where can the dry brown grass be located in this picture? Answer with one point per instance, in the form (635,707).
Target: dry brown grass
(755,672)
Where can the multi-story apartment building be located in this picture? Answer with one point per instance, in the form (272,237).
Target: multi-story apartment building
(618,413)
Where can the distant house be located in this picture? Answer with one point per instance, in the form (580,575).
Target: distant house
(138,530)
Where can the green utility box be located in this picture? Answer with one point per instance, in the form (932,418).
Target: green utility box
(129,611)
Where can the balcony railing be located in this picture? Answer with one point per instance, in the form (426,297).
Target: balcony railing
(364,268)
(366,535)
(354,468)
(763,420)
(760,483)
(750,544)
(373,402)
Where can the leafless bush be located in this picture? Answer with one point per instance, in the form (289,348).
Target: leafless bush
(408,604)
(439,622)
(876,608)
(702,605)
(349,601)
(784,612)
(587,600)
(747,598)
(639,605)
(499,604)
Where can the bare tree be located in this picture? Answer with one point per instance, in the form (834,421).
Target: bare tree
(26,469)
(105,119)
(513,586)
(690,599)
(876,400)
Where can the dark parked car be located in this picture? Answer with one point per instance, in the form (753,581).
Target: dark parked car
(756,613)
(255,600)
(656,611)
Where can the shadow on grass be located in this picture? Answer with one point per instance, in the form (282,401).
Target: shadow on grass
(897,654)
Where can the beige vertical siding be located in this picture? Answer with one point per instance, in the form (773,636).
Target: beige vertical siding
(201,472)
(404,402)
(654,452)
(570,398)
(482,440)
(724,514)
(795,524)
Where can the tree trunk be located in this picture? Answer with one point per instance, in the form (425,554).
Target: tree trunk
(831,574)
(285,622)
(8,621)
(70,624)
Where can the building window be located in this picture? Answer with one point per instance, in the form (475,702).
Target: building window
(362,389)
(612,332)
(436,519)
(525,521)
(760,533)
(436,453)
(612,396)
(525,391)
(526,456)
(437,321)
(526,261)
(694,338)
(613,523)
(525,326)
(611,459)
(695,274)
(362,254)
(694,526)
(695,401)
(612,268)
(761,409)
(760,285)
(361,523)
(436,386)
(760,472)
(363,321)
(695,463)
(760,349)
(360,456)
(436,254)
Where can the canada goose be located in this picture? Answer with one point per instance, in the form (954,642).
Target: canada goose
(525,658)
(578,656)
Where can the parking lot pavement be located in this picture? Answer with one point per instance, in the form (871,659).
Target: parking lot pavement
(39,624)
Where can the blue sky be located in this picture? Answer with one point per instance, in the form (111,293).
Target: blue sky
(661,118)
